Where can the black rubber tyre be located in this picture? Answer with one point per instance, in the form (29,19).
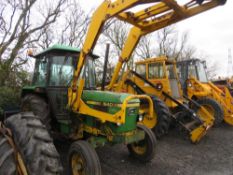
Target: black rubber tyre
(215,107)
(34,144)
(83,158)
(7,158)
(38,106)
(143,150)
(163,117)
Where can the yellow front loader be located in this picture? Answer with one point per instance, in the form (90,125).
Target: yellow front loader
(158,14)
(197,87)
(158,77)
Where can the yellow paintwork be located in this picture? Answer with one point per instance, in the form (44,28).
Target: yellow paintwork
(199,90)
(78,164)
(160,14)
(118,118)
(203,113)
(21,166)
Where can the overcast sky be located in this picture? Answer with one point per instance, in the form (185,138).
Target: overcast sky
(210,32)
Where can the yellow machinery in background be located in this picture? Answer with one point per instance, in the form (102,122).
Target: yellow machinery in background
(197,87)
(158,77)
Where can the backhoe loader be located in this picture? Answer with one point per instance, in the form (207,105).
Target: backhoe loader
(158,77)
(197,87)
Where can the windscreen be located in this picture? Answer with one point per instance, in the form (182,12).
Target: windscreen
(39,77)
(156,71)
(141,70)
(202,77)
(61,70)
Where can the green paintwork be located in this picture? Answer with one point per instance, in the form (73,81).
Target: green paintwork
(64,126)
(129,125)
(130,122)
(63,48)
(30,88)
(58,47)
(107,97)
(127,139)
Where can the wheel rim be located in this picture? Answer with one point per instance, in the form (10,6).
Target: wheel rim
(77,164)
(139,147)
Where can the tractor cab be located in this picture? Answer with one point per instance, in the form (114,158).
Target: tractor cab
(55,66)
(53,73)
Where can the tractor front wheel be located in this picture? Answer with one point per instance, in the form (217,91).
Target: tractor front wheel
(143,150)
(83,159)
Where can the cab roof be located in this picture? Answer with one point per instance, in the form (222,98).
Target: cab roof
(156,59)
(61,48)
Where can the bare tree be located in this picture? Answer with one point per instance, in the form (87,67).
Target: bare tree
(146,47)
(22,24)
(69,29)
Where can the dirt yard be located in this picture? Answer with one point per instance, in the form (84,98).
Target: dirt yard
(175,156)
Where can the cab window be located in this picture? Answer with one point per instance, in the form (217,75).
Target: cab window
(61,70)
(156,71)
(40,73)
(141,70)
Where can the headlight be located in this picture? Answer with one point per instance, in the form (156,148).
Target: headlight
(140,118)
(189,84)
(159,86)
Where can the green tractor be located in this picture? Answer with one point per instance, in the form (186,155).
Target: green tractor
(117,113)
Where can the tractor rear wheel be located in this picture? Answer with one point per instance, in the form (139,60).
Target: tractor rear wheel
(7,158)
(38,106)
(34,144)
(213,107)
(143,150)
(163,117)
(83,159)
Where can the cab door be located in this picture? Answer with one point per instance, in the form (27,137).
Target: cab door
(61,69)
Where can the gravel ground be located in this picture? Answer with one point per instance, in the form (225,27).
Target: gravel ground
(175,155)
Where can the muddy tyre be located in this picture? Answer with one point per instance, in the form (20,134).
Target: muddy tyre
(38,106)
(7,157)
(143,150)
(82,159)
(163,117)
(214,108)
(34,144)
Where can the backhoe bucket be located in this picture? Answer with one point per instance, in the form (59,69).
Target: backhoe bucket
(208,121)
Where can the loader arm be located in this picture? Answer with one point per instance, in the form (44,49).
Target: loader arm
(161,14)
(171,13)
